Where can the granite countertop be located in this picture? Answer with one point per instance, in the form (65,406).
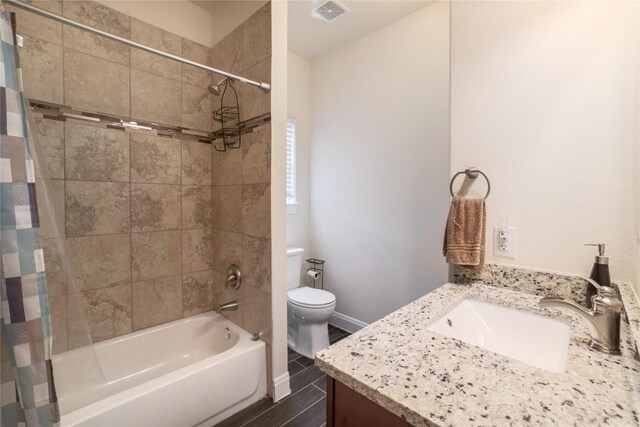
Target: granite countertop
(431,380)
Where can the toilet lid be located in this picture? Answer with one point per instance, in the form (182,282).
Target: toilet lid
(310,297)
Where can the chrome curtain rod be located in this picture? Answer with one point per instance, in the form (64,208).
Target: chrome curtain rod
(266,87)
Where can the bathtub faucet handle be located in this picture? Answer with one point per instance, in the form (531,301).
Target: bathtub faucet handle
(234,277)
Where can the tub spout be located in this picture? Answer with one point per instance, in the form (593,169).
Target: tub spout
(230,306)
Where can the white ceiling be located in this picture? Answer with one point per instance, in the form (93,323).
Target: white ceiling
(310,37)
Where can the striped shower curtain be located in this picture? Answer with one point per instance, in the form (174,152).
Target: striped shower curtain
(27,392)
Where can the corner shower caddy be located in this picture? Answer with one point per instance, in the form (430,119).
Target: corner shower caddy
(228,115)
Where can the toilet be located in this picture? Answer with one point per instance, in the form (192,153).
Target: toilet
(308,310)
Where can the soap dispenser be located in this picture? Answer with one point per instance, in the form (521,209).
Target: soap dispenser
(599,272)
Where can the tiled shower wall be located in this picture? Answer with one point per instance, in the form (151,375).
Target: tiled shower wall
(141,214)
(241,192)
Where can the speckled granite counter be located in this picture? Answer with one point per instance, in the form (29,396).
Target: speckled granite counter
(429,379)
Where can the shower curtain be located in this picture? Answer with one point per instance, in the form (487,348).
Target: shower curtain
(27,391)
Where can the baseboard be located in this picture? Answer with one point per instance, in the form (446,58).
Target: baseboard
(345,322)
(281,387)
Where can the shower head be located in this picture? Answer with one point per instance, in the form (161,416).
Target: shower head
(217,88)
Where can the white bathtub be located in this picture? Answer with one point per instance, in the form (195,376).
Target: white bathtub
(193,371)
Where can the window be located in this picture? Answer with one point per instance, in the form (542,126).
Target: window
(291,161)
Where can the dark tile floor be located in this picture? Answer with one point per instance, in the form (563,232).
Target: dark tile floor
(306,405)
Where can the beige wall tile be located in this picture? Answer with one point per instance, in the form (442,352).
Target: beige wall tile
(42,70)
(215,166)
(58,311)
(198,53)
(215,62)
(51,206)
(156,301)
(215,207)
(257,312)
(155,207)
(30,24)
(229,167)
(85,76)
(99,261)
(255,102)
(196,250)
(256,255)
(155,159)
(231,52)
(49,138)
(155,98)
(96,208)
(171,270)
(227,250)
(196,108)
(230,205)
(108,314)
(196,163)
(98,16)
(96,154)
(78,334)
(155,254)
(256,156)
(256,37)
(196,207)
(94,45)
(197,293)
(256,209)
(158,38)
(54,268)
(224,295)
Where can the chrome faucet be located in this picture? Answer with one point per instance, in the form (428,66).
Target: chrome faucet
(230,306)
(603,319)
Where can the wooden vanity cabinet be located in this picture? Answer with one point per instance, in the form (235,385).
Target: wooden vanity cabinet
(348,408)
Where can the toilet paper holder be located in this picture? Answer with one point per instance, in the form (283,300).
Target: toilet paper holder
(316,271)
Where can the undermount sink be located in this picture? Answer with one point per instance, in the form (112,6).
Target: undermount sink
(530,338)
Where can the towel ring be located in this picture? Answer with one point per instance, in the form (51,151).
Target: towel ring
(471,174)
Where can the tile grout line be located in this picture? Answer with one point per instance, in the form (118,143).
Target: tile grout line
(335,340)
(306,409)
(304,369)
(313,384)
(274,406)
(130,229)
(181,232)
(298,363)
(295,358)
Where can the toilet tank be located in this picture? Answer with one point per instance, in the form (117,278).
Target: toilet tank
(294,264)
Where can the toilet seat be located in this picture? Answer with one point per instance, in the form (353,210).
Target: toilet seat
(310,297)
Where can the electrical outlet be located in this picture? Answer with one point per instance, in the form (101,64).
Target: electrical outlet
(504,241)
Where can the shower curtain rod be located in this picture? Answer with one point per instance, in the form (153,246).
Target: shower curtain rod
(266,87)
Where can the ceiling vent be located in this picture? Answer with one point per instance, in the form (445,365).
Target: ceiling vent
(329,11)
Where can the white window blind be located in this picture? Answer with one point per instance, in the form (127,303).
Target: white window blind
(291,160)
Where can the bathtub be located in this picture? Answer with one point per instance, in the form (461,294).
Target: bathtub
(195,371)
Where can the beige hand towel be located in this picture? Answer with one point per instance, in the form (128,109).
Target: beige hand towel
(465,233)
